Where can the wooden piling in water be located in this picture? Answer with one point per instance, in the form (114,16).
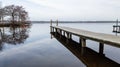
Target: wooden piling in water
(83,42)
(51,26)
(60,33)
(56,22)
(70,36)
(101,48)
(63,33)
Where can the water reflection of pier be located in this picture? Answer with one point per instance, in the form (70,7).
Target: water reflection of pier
(88,56)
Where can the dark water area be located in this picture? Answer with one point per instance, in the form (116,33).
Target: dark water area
(33,47)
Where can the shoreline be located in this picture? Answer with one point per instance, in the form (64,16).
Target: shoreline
(74,21)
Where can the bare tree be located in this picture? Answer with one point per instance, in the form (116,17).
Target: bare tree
(17,13)
(1,14)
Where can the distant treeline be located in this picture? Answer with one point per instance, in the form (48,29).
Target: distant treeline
(75,21)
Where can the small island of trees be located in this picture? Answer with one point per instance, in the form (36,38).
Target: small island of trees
(13,15)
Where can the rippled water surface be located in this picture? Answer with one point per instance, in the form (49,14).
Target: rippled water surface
(33,47)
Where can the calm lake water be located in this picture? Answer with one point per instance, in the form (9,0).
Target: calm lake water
(33,47)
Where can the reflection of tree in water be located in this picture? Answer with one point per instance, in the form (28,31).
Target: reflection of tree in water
(15,35)
(18,36)
(1,44)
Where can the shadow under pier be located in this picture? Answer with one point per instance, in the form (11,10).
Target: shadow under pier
(88,56)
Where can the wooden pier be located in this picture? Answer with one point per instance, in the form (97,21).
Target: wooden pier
(88,56)
(85,35)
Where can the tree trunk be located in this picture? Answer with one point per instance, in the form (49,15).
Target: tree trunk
(13,18)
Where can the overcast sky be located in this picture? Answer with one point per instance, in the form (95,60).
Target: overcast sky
(75,10)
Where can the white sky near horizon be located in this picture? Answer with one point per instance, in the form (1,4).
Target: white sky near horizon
(70,10)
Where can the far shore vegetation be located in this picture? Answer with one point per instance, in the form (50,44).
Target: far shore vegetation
(74,21)
(13,15)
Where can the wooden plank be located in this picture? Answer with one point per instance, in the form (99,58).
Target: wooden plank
(100,37)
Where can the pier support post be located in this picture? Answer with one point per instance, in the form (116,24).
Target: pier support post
(101,48)
(63,33)
(0,33)
(51,26)
(52,29)
(67,36)
(60,33)
(50,22)
(56,22)
(82,42)
(113,28)
(70,36)
(119,29)
(82,51)
(55,31)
